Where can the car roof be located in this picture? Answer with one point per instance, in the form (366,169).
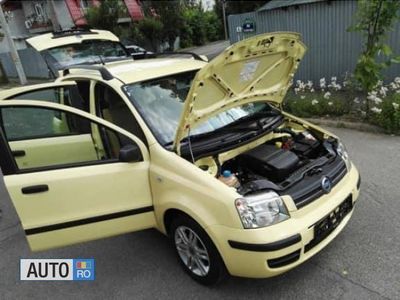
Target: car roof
(52,40)
(130,71)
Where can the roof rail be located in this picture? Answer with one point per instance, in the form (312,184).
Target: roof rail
(194,55)
(72,31)
(105,74)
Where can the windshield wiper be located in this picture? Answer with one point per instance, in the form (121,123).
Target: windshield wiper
(233,127)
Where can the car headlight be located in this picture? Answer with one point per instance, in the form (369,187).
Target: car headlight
(342,151)
(261,210)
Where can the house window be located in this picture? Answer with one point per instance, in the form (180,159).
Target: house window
(84,4)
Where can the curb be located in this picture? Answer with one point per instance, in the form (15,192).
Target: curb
(346,124)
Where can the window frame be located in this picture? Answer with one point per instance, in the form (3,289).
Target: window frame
(98,113)
(11,167)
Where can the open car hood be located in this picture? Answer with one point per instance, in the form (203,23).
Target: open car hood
(52,40)
(260,69)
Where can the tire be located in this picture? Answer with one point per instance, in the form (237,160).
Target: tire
(197,251)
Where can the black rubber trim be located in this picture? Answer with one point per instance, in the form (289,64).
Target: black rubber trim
(284,260)
(91,220)
(267,247)
(359,182)
(7,162)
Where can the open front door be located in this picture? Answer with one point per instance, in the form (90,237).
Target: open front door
(70,189)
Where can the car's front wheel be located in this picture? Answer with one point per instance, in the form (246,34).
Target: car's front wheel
(196,252)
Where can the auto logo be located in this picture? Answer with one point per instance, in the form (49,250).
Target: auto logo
(326,184)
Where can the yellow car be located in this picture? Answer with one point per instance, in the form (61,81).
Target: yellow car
(200,151)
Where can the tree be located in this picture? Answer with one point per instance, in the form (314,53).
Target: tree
(152,29)
(169,14)
(374,19)
(105,15)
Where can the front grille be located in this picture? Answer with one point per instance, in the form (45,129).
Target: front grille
(310,187)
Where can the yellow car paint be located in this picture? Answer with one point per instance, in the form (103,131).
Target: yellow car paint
(166,181)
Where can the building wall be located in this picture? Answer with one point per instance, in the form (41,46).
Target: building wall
(62,14)
(332,51)
(32,62)
(18,31)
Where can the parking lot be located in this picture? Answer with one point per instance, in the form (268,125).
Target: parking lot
(361,263)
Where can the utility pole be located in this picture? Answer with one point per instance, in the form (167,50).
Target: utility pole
(224,17)
(13,50)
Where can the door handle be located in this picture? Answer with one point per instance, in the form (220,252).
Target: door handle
(35,189)
(18,153)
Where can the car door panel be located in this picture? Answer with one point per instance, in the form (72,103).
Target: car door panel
(61,203)
(30,153)
(77,194)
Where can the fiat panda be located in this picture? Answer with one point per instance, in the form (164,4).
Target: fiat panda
(201,151)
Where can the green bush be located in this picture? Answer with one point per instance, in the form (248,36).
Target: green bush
(315,105)
(387,114)
(151,28)
(199,27)
(105,16)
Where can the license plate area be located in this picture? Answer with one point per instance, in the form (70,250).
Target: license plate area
(328,224)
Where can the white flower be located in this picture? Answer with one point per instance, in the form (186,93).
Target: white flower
(396,105)
(397,80)
(302,97)
(322,83)
(312,90)
(372,96)
(330,103)
(377,100)
(363,113)
(379,83)
(327,95)
(383,90)
(314,102)
(376,110)
(356,100)
(309,84)
(333,78)
(296,90)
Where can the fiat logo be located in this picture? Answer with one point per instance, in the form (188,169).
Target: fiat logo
(326,184)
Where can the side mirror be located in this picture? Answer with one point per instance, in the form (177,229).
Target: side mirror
(130,153)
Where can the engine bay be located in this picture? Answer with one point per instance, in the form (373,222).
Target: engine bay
(290,154)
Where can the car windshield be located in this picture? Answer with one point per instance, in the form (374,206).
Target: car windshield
(160,102)
(87,52)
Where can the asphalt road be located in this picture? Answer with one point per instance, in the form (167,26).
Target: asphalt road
(210,50)
(361,263)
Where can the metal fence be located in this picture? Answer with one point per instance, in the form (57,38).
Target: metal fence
(332,50)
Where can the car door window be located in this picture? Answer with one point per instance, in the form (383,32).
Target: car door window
(111,107)
(71,95)
(44,138)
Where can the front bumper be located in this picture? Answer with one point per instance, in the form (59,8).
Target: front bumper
(269,251)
